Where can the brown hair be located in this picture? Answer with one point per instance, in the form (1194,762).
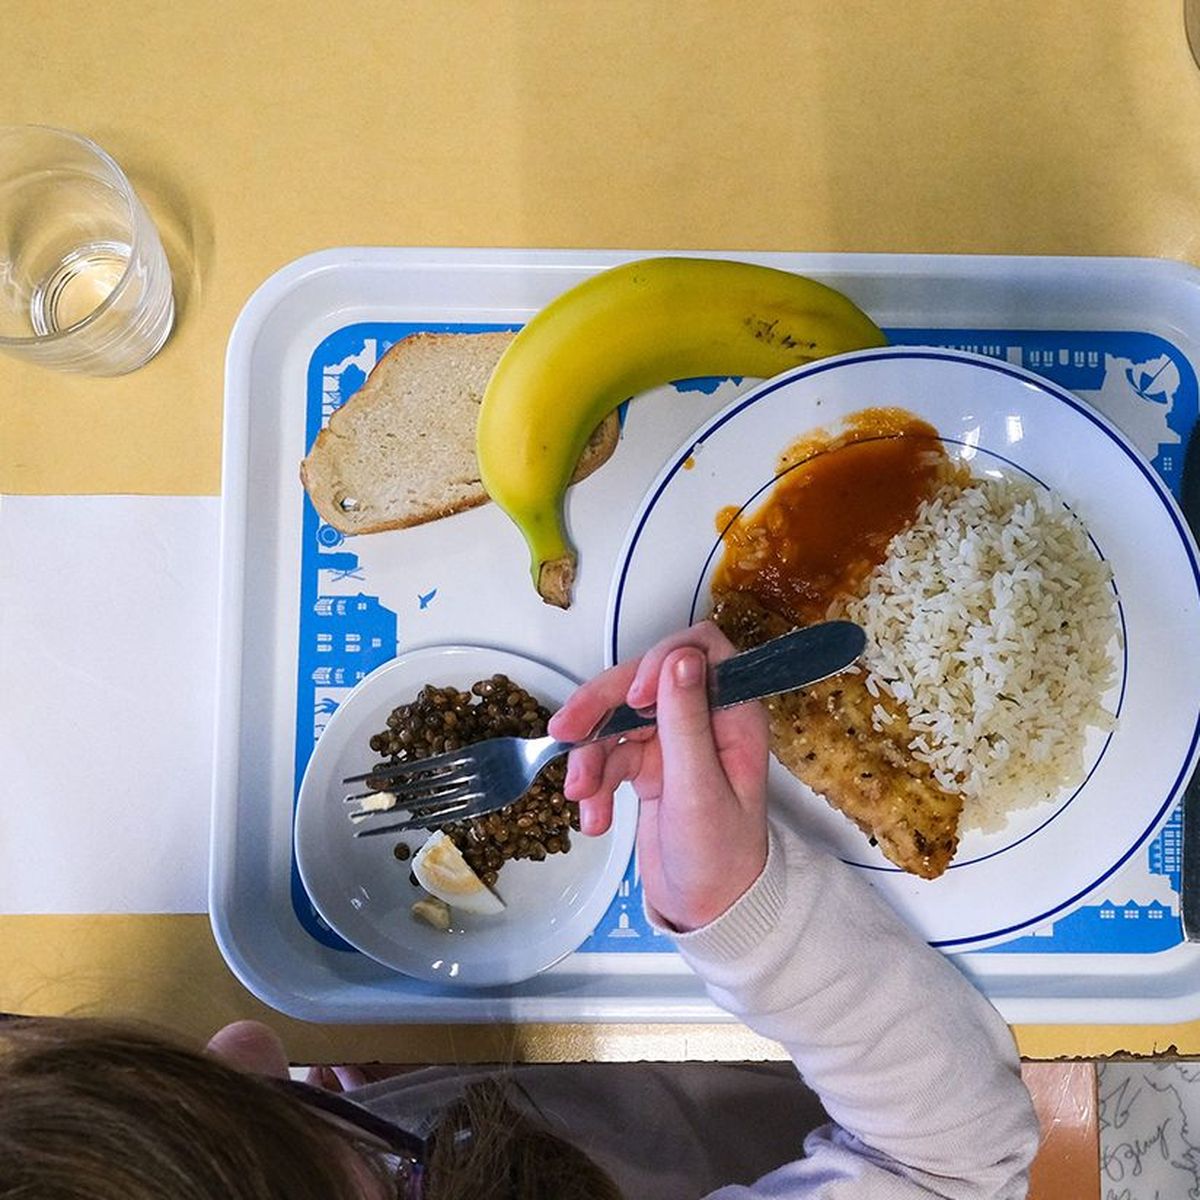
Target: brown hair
(485,1148)
(112,1111)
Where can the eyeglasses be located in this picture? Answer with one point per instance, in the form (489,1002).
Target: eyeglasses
(405,1153)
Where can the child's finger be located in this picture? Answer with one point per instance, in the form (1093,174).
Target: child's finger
(705,635)
(689,755)
(598,769)
(595,815)
(622,763)
(591,703)
(585,769)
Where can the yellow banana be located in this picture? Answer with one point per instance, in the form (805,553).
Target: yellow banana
(618,333)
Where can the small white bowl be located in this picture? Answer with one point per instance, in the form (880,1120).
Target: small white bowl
(363,891)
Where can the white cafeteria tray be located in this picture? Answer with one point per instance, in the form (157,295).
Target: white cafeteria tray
(1127,328)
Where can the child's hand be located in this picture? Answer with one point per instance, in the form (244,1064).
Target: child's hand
(701,776)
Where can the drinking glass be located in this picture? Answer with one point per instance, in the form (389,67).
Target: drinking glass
(84,282)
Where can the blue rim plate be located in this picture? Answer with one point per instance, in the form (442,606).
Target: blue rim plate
(999,418)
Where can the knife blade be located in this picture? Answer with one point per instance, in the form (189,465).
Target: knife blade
(1189,877)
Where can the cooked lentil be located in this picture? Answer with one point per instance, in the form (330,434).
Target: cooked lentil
(441,719)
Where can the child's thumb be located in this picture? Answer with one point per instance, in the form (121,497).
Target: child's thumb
(689,754)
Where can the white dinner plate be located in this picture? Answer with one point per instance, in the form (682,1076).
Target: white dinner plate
(363,891)
(1000,419)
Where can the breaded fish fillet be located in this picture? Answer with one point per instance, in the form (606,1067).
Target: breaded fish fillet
(824,736)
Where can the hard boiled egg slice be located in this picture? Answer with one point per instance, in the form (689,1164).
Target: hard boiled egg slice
(443,872)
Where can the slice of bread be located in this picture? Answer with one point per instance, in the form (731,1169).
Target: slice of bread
(401,450)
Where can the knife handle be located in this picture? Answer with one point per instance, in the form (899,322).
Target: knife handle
(783,664)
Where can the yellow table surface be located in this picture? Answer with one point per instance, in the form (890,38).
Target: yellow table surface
(260,132)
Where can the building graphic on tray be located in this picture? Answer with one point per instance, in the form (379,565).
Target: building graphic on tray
(341,379)
(624,925)
(352,635)
(1136,911)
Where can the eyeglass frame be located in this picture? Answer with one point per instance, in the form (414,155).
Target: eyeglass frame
(409,1148)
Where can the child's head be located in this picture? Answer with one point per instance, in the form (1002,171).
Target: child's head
(107,1111)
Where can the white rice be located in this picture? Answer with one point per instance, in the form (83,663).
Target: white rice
(992,623)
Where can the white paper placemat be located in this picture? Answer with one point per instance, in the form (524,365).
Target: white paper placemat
(107,646)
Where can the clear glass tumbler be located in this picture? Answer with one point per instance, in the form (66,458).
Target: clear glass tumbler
(84,281)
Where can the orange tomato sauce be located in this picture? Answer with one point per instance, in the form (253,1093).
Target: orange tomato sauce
(836,503)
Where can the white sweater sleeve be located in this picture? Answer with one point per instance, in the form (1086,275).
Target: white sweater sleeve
(917,1070)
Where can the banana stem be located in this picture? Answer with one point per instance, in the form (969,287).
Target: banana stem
(554,579)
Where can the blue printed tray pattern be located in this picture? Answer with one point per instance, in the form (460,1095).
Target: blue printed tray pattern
(1140,380)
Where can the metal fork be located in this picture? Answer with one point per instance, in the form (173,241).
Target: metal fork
(466,783)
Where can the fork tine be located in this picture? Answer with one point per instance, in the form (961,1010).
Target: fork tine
(438,764)
(416,811)
(428,817)
(421,800)
(408,794)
